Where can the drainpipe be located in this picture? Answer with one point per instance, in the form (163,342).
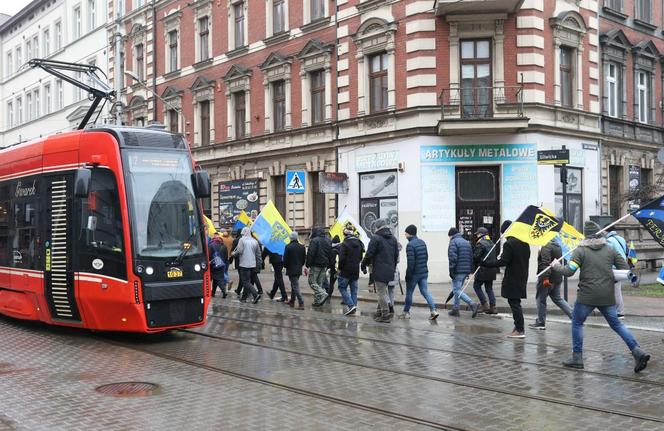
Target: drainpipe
(118,64)
(154,61)
(336,98)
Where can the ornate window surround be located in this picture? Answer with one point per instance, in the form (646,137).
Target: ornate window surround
(645,57)
(237,79)
(171,23)
(375,35)
(202,90)
(173,96)
(315,56)
(569,29)
(276,67)
(203,9)
(615,47)
(231,25)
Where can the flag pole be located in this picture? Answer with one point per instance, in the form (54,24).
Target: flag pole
(604,229)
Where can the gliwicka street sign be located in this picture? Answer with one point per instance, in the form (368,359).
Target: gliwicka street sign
(553,157)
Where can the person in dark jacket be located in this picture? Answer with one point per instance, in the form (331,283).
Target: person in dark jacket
(336,242)
(277,263)
(417,273)
(548,284)
(318,261)
(596,260)
(515,258)
(351,251)
(294,258)
(485,276)
(460,256)
(216,247)
(383,254)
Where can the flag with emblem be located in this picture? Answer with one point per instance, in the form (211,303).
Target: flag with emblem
(568,238)
(651,216)
(535,226)
(242,221)
(271,229)
(346,221)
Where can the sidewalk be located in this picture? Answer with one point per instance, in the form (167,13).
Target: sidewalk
(634,305)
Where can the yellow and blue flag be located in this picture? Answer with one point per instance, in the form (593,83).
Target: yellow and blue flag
(271,229)
(568,238)
(631,255)
(243,220)
(651,216)
(535,226)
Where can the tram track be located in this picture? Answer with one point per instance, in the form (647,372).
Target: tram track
(438,349)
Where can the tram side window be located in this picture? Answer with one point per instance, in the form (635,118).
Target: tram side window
(4,225)
(101,222)
(25,240)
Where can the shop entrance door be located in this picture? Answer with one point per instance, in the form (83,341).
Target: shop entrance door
(478,199)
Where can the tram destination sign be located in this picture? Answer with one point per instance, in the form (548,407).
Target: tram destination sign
(553,157)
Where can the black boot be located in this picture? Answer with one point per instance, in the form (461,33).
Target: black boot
(576,361)
(641,359)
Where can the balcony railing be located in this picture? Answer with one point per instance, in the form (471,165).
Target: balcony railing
(482,103)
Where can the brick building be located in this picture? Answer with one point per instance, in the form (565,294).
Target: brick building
(434,111)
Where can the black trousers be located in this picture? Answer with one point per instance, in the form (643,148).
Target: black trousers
(333,280)
(256,281)
(220,284)
(278,282)
(245,282)
(517,313)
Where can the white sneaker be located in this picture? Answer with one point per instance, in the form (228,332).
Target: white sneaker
(405,315)
(350,311)
(434,315)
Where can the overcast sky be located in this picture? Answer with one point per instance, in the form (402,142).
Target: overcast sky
(10,7)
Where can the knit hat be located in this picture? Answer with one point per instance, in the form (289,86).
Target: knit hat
(482,231)
(379,224)
(411,230)
(293,236)
(590,228)
(453,231)
(506,225)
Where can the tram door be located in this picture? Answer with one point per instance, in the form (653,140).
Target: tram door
(58,239)
(478,200)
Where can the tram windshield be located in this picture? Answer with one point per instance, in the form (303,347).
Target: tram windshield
(165,218)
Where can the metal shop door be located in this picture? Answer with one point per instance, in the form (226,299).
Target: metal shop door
(478,199)
(58,273)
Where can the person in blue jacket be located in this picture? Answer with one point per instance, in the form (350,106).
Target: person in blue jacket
(417,273)
(460,256)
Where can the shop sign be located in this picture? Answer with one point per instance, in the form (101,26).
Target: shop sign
(333,182)
(377,161)
(553,157)
(478,153)
(237,196)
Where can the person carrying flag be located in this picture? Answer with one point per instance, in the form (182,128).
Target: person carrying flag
(484,276)
(620,246)
(460,257)
(595,258)
(548,284)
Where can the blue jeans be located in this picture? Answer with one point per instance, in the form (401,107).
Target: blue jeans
(349,299)
(581,312)
(488,285)
(457,284)
(423,284)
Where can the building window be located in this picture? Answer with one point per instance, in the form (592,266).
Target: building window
(319,202)
(19,110)
(173,119)
(240,126)
(567,76)
(37,104)
(615,190)
(642,79)
(476,81)
(612,92)
(613,4)
(28,106)
(643,10)
(317,9)
(279,105)
(58,35)
(173,50)
(19,59)
(203,39)
(139,122)
(317,97)
(92,14)
(378,82)
(46,38)
(10,114)
(238,14)
(574,197)
(78,93)
(47,99)
(77,22)
(279,183)
(10,64)
(28,50)
(204,113)
(35,46)
(61,94)
(140,62)
(278,16)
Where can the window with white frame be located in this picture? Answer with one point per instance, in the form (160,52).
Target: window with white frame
(48,102)
(277,83)
(28,50)
(317,79)
(78,93)
(46,40)
(60,94)
(10,63)
(37,104)
(567,73)
(204,120)
(92,14)
(10,114)
(28,107)
(202,91)
(76,22)
(317,9)
(35,46)
(139,59)
(173,120)
(278,16)
(378,82)
(237,25)
(642,99)
(19,110)
(173,50)
(19,58)
(279,105)
(569,31)
(203,38)
(612,89)
(238,108)
(58,35)
(643,10)
(239,113)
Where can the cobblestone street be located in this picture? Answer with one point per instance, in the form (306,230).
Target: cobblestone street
(267,366)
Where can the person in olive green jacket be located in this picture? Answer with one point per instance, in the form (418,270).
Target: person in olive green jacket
(596,259)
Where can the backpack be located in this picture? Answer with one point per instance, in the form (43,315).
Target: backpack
(217,262)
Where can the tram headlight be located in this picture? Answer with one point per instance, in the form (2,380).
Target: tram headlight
(197,267)
(149,270)
(140,269)
(204,266)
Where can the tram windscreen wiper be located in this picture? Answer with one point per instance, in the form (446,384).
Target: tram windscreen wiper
(186,246)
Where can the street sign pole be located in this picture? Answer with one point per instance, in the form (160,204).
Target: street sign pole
(563,180)
(292,211)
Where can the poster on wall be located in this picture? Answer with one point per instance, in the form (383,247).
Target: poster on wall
(369,213)
(237,196)
(389,211)
(333,182)
(378,184)
(437,214)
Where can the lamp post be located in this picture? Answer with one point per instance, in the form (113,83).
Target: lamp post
(133,76)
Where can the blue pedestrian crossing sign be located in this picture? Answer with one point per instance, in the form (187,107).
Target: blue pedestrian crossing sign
(295,181)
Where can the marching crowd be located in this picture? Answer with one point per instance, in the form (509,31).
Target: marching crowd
(329,261)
